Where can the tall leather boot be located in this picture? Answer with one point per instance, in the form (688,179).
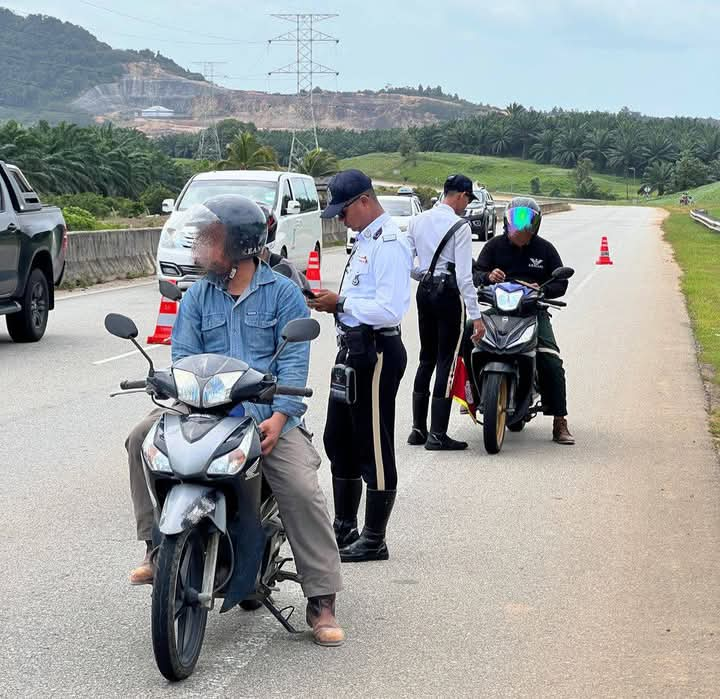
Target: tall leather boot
(346,494)
(438,439)
(418,434)
(371,545)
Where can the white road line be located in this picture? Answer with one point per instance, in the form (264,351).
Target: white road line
(82,294)
(149,348)
(577,289)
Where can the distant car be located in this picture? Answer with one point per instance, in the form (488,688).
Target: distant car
(401,208)
(481,215)
(291,199)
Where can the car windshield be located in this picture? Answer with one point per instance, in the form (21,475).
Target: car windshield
(397,207)
(201,190)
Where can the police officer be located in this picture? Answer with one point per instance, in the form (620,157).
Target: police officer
(522,254)
(442,242)
(360,434)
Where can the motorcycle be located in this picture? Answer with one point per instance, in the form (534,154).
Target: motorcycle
(503,367)
(219,534)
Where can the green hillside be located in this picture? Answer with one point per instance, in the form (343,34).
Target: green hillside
(498,174)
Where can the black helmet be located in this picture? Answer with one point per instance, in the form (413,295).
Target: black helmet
(239,220)
(521,214)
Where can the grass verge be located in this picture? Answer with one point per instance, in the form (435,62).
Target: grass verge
(697,251)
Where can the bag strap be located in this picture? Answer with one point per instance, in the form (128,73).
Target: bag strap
(456,227)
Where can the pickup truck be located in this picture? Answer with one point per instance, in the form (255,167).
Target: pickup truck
(33,242)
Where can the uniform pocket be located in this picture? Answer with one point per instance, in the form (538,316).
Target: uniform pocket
(214,333)
(260,332)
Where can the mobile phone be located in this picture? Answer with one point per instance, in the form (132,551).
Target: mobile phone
(308,293)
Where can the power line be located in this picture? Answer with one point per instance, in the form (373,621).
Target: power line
(209,140)
(304,68)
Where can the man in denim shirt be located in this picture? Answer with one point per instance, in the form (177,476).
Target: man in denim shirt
(239,310)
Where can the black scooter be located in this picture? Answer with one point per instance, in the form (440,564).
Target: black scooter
(503,363)
(219,533)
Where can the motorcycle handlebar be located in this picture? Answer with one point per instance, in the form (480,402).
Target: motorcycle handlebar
(553,302)
(294,391)
(128,385)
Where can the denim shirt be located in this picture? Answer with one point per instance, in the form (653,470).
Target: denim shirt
(211,320)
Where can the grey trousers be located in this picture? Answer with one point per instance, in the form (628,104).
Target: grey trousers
(291,470)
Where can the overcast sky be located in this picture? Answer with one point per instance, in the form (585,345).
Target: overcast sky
(660,57)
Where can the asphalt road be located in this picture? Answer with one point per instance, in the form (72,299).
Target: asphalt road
(589,571)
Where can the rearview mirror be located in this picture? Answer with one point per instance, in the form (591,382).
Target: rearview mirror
(168,205)
(169,290)
(293,207)
(563,273)
(120,326)
(301,330)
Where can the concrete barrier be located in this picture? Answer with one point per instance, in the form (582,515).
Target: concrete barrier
(101,256)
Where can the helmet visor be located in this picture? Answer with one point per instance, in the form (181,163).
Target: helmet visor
(521,218)
(201,230)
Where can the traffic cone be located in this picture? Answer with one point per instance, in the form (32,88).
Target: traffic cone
(313,271)
(166,320)
(604,258)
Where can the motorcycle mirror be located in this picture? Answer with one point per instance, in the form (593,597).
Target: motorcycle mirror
(301,330)
(170,291)
(120,326)
(563,273)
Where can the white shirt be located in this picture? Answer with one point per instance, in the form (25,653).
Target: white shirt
(424,235)
(376,285)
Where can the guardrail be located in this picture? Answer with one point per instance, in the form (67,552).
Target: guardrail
(700,215)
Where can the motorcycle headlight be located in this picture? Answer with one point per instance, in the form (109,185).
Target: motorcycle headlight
(154,458)
(188,389)
(217,390)
(525,337)
(229,464)
(507,300)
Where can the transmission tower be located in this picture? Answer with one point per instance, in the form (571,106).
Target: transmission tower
(209,146)
(304,128)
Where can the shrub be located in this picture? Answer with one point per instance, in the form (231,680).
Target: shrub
(535,185)
(78,219)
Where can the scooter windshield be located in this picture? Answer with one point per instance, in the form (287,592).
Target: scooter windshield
(207,380)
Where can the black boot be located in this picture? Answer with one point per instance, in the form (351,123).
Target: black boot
(371,544)
(346,493)
(440,417)
(418,434)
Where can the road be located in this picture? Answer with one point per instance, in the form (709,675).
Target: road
(589,571)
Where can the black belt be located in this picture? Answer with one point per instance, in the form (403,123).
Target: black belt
(393,331)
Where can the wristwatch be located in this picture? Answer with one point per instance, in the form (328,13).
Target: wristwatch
(340,305)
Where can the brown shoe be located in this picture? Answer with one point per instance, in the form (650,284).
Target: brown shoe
(561,433)
(320,616)
(144,573)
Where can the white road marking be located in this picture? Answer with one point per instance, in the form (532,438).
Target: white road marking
(577,289)
(149,348)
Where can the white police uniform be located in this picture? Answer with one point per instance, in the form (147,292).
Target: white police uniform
(375,293)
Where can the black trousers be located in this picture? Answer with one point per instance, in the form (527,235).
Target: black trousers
(441,329)
(550,370)
(360,439)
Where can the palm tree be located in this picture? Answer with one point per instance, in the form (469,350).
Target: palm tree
(708,148)
(501,137)
(245,153)
(597,147)
(319,163)
(525,126)
(569,147)
(628,149)
(659,147)
(659,176)
(543,150)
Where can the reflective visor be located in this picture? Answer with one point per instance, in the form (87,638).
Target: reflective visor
(520,218)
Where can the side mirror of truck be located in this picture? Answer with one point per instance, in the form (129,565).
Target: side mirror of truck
(168,205)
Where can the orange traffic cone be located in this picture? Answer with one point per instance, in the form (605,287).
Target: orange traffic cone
(313,271)
(604,258)
(166,320)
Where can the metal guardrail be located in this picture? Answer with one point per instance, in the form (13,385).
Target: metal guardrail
(700,215)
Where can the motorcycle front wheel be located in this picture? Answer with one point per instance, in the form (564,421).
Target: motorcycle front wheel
(178,619)
(495,397)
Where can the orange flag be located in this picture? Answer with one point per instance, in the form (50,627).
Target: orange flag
(462,391)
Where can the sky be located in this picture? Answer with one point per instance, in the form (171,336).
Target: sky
(658,57)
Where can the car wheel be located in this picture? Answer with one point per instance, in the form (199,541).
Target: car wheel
(28,325)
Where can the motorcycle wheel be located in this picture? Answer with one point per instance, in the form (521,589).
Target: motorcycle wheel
(495,394)
(178,620)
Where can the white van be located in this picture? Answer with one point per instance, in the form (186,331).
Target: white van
(292,198)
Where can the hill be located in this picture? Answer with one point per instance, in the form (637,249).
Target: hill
(47,63)
(497,174)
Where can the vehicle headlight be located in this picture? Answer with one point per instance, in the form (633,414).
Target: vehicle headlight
(188,389)
(525,337)
(229,464)
(154,458)
(217,390)
(508,300)
(169,238)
